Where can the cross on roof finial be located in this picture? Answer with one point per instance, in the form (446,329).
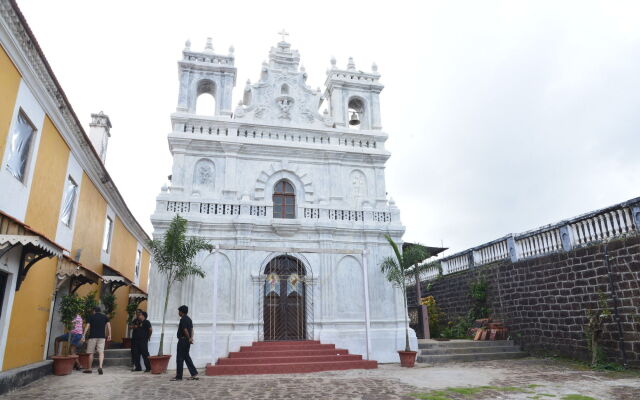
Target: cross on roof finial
(283,33)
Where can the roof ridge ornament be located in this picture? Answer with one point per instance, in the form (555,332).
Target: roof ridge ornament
(209,46)
(351,66)
(283,33)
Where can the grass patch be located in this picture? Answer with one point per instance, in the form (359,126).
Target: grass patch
(577,397)
(450,392)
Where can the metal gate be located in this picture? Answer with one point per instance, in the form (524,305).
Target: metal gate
(285,293)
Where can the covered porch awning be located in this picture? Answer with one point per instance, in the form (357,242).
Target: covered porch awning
(113,279)
(75,272)
(35,246)
(136,295)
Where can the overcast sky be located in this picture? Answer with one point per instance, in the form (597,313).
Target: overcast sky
(502,116)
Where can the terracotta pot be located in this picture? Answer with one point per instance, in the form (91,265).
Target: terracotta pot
(407,358)
(126,343)
(159,363)
(83,359)
(63,365)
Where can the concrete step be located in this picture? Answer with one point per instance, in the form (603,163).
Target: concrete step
(286,343)
(290,368)
(468,350)
(288,360)
(286,352)
(428,344)
(444,358)
(117,353)
(297,347)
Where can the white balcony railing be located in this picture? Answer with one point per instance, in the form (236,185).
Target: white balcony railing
(601,225)
(219,209)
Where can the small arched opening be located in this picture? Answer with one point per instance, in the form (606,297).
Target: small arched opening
(284,89)
(206,98)
(356,111)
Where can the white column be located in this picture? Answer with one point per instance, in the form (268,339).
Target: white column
(214,312)
(367,321)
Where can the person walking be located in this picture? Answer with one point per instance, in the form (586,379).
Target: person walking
(185,340)
(97,325)
(140,342)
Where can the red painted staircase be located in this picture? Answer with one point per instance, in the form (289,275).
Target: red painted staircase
(286,358)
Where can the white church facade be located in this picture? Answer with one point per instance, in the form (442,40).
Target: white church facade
(293,199)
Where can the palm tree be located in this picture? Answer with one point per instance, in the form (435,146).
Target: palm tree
(397,269)
(173,256)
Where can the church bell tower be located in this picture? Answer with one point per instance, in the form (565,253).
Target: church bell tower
(206,72)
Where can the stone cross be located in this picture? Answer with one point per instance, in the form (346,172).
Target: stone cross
(283,33)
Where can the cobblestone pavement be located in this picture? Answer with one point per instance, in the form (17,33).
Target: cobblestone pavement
(534,379)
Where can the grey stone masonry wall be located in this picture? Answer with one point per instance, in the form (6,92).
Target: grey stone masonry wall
(544,300)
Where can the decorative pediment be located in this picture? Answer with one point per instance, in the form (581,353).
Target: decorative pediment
(282,95)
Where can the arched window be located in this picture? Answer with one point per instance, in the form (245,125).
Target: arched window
(284,200)
(284,89)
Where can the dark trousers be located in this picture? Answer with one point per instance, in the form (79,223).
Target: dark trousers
(140,348)
(184,357)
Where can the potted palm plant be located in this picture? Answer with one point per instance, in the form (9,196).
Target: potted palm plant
(89,302)
(70,306)
(173,257)
(396,270)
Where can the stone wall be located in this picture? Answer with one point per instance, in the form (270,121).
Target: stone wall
(544,301)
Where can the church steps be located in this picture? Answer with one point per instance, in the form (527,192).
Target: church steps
(434,352)
(286,353)
(294,347)
(291,368)
(286,343)
(286,358)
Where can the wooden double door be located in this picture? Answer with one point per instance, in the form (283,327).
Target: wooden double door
(284,300)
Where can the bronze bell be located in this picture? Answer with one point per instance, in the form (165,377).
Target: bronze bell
(355,120)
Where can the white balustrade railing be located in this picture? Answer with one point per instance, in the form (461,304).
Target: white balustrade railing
(609,223)
(605,225)
(491,252)
(539,243)
(321,137)
(254,210)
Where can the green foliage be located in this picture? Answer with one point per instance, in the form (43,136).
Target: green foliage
(70,306)
(89,302)
(478,293)
(594,328)
(451,393)
(173,257)
(131,311)
(436,316)
(458,329)
(577,397)
(110,305)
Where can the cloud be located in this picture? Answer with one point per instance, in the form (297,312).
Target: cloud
(502,116)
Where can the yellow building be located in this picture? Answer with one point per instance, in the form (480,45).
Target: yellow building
(63,224)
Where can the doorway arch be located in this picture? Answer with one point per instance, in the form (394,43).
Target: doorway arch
(284,298)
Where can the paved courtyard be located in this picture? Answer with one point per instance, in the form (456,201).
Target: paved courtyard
(510,379)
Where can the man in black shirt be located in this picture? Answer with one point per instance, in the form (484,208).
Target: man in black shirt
(185,340)
(97,323)
(140,342)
